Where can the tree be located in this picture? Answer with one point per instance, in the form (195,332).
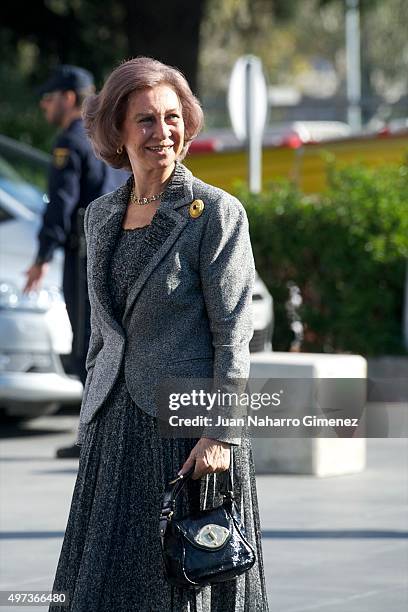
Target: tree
(311,35)
(384,47)
(86,33)
(98,35)
(91,34)
(168,31)
(201,37)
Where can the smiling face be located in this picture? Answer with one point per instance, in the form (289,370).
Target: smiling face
(153,130)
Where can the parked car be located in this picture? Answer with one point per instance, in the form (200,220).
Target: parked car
(34,330)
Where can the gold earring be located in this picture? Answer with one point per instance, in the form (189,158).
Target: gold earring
(119,150)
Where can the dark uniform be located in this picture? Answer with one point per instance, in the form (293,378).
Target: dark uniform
(76,178)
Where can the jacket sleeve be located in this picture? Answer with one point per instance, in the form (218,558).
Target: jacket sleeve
(227,272)
(96,339)
(64,193)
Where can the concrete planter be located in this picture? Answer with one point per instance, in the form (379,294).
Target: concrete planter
(319,455)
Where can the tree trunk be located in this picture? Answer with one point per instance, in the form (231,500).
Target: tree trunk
(167,31)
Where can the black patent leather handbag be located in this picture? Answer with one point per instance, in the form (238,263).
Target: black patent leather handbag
(204,548)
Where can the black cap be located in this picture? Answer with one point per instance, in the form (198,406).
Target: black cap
(66,77)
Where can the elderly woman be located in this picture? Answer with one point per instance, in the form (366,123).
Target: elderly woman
(170,275)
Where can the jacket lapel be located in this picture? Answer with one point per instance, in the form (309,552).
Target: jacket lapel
(103,235)
(166,226)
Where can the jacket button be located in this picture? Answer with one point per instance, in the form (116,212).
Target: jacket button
(196,209)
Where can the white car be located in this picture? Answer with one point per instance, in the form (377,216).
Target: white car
(34,329)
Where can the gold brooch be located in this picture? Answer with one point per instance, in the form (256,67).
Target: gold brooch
(196,209)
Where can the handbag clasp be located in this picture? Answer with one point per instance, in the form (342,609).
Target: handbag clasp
(212,535)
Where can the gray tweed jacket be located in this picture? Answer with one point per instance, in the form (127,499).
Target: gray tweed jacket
(189,311)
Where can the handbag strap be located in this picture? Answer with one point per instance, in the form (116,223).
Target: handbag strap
(174,489)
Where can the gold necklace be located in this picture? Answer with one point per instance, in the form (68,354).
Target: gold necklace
(142,201)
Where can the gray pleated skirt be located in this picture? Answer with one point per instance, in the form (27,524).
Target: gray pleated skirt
(111,559)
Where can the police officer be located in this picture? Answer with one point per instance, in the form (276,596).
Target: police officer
(76,178)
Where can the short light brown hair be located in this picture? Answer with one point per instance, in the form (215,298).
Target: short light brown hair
(105,113)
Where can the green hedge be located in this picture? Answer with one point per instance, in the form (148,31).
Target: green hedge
(346,251)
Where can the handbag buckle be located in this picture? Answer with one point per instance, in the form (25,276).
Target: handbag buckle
(212,535)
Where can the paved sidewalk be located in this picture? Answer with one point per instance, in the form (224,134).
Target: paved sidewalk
(339,544)
(333,544)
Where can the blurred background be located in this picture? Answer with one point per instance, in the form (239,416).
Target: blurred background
(301,45)
(329,230)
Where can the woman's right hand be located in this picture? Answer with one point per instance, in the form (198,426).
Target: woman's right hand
(209,456)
